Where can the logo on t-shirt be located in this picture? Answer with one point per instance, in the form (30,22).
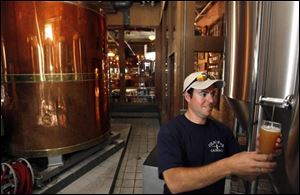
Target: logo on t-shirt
(216,146)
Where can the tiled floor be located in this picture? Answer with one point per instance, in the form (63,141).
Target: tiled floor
(129,180)
(141,142)
(99,179)
(96,181)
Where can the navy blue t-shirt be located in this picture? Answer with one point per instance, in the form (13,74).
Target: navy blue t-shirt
(182,143)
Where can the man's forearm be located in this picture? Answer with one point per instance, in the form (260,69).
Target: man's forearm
(183,179)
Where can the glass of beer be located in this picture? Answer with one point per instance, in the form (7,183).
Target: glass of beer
(269,132)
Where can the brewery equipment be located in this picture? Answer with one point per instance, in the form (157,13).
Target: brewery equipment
(261,71)
(54,95)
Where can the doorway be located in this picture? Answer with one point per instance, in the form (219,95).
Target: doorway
(131,62)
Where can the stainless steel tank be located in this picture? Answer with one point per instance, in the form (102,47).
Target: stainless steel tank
(54,94)
(240,57)
(261,69)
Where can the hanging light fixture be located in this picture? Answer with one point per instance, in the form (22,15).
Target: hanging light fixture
(110,54)
(152,37)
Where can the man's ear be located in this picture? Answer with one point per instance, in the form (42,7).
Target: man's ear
(187,96)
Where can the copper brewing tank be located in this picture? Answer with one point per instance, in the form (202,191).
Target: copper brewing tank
(54,91)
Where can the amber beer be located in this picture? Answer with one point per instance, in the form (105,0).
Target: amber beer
(269,132)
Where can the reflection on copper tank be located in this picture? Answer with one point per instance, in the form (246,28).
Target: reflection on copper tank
(54,95)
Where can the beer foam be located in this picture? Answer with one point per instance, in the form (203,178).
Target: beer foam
(271,128)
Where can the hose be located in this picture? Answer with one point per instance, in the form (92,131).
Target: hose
(23,178)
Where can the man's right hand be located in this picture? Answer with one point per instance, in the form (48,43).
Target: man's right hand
(250,163)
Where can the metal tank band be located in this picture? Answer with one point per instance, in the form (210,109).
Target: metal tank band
(34,78)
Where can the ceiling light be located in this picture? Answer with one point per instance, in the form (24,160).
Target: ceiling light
(110,54)
(151,37)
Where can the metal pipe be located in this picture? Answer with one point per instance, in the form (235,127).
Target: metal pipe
(250,129)
(184,47)
(287,102)
(121,4)
(254,75)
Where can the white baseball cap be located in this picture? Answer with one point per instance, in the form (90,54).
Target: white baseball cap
(201,80)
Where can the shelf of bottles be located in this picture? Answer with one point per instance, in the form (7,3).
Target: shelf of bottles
(210,62)
(114,72)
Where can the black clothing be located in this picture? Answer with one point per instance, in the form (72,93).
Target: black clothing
(182,143)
